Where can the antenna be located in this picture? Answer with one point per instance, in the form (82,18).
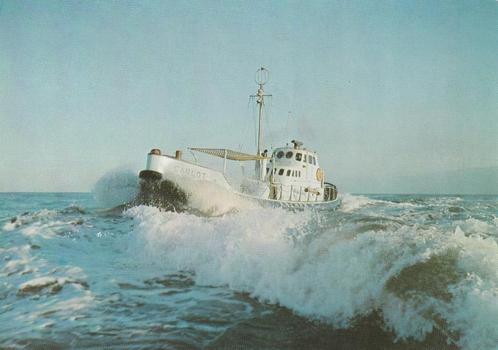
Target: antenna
(287,126)
(261,77)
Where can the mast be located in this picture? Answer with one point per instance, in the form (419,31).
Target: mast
(262,76)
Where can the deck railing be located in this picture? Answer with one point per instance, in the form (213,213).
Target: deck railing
(295,193)
(330,192)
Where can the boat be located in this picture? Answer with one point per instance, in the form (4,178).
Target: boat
(288,177)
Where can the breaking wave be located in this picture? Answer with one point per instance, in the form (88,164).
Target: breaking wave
(405,261)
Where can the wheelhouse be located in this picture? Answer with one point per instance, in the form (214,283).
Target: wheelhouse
(293,163)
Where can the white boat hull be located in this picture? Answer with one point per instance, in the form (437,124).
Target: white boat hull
(180,185)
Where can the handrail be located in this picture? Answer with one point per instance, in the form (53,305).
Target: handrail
(330,191)
(277,193)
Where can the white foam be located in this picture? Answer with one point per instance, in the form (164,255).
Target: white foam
(38,283)
(28,218)
(20,260)
(406,317)
(70,309)
(39,229)
(67,307)
(351,202)
(253,252)
(474,311)
(474,226)
(333,277)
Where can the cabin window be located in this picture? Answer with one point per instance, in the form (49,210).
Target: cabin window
(267,170)
(280,154)
(288,155)
(288,172)
(304,159)
(299,156)
(293,173)
(310,159)
(281,172)
(314,161)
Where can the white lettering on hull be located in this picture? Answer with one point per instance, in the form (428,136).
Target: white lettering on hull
(196,174)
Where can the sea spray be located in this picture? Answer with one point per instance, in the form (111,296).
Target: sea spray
(116,187)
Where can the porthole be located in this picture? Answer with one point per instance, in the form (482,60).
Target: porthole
(288,155)
(280,154)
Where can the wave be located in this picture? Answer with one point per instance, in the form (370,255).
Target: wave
(351,203)
(417,277)
(47,223)
(27,218)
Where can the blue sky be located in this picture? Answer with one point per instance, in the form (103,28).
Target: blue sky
(382,90)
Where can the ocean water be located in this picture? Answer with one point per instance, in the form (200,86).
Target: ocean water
(382,272)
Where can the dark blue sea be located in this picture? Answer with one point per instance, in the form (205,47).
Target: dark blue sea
(381,272)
